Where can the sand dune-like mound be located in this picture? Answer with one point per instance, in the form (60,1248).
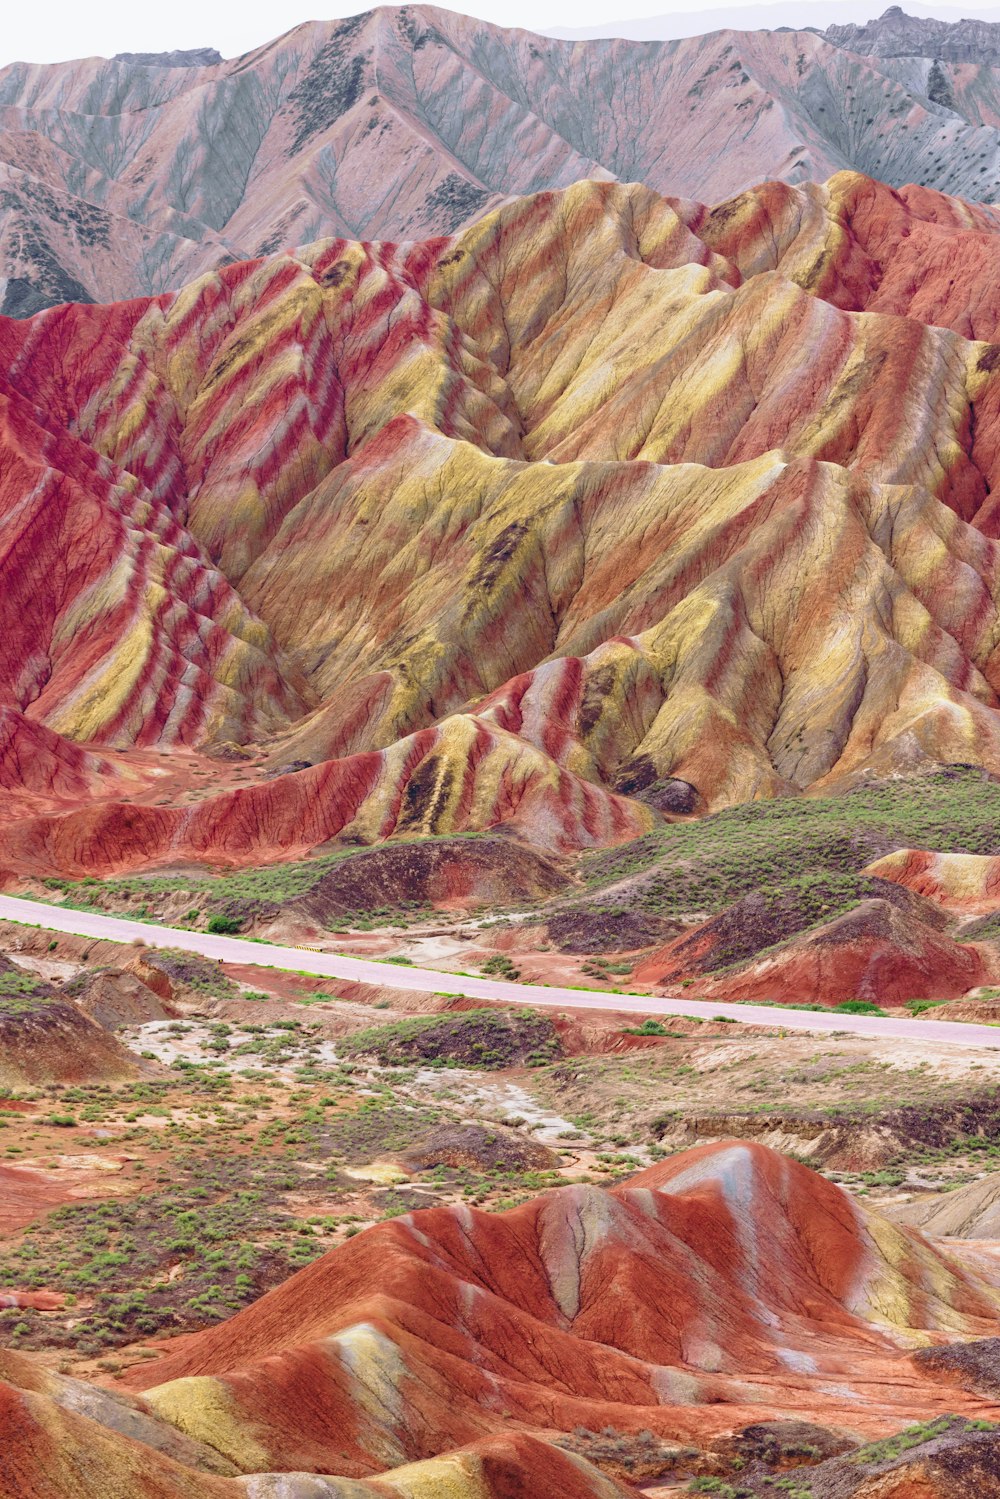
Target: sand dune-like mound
(532,526)
(726,1285)
(970,1212)
(65,1438)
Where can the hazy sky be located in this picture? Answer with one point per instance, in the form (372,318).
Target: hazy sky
(54,30)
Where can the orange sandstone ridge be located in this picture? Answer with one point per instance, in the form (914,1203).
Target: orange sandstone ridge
(722,1287)
(503,528)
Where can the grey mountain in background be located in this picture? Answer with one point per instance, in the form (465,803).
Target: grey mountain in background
(122,178)
(192,57)
(895,34)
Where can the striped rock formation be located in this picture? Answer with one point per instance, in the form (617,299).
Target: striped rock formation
(504,528)
(725,1286)
(68,1438)
(75,1441)
(122,178)
(722,1287)
(957,882)
(879,951)
(443,1353)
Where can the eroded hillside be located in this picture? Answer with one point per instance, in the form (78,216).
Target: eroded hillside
(521,527)
(127,177)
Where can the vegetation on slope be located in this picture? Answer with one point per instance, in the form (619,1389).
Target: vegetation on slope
(478,1038)
(806,850)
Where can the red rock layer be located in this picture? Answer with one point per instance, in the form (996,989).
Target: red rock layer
(725,1285)
(956,882)
(875,952)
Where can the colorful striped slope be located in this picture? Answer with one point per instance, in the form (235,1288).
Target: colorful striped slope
(504,528)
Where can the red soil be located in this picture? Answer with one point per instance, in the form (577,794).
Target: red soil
(874,952)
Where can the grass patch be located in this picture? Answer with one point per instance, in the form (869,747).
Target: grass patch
(474,1038)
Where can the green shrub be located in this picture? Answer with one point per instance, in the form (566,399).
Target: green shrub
(223,925)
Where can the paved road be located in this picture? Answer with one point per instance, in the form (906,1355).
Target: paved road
(368,971)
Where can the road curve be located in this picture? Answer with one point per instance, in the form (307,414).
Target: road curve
(368,971)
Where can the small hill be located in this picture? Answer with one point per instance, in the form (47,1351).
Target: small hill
(955,882)
(45,1037)
(642,1307)
(448,872)
(65,1439)
(881,950)
(970,1212)
(726,1305)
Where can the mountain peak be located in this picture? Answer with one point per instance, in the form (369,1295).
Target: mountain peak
(191,57)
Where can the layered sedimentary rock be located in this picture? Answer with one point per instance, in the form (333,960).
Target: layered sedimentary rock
(449,1352)
(721,1287)
(69,1438)
(970,1212)
(125,177)
(606,493)
(895,34)
(956,882)
(875,952)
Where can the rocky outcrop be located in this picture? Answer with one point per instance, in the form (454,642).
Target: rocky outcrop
(970,1212)
(895,34)
(180,57)
(113,998)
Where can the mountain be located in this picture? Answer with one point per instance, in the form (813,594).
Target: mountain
(771,15)
(128,178)
(191,57)
(895,34)
(504,528)
(725,1285)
